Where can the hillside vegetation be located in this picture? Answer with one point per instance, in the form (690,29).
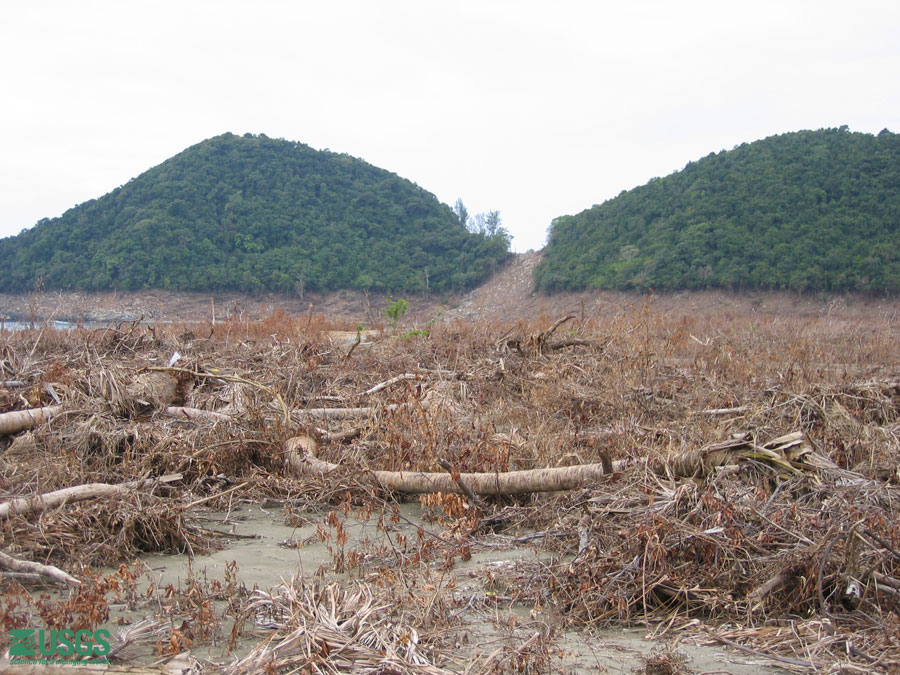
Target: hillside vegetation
(805,211)
(252,213)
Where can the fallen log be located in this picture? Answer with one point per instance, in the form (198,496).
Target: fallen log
(387,383)
(333,436)
(726,411)
(197,414)
(763,591)
(301,455)
(77,493)
(20,420)
(27,567)
(345,413)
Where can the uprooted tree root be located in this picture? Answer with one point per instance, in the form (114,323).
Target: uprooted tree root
(740,487)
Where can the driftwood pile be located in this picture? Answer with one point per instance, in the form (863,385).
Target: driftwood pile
(741,488)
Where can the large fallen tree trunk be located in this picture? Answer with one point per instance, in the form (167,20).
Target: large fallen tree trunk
(28,567)
(77,493)
(301,452)
(20,420)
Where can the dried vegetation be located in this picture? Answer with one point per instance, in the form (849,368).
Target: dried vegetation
(745,489)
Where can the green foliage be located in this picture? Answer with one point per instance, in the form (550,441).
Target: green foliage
(807,211)
(487,225)
(395,310)
(253,214)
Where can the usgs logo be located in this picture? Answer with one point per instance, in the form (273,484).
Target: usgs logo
(30,644)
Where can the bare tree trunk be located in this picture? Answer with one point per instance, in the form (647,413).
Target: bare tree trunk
(301,452)
(77,493)
(20,420)
(197,414)
(26,567)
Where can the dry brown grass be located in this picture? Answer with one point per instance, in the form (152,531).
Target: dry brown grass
(793,560)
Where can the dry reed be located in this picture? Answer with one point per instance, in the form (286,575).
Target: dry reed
(789,554)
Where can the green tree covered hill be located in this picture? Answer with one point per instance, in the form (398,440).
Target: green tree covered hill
(812,210)
(252,213)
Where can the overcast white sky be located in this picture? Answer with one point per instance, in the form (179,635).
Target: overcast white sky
(536,109)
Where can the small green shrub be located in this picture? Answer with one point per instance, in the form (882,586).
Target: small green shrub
(395,310)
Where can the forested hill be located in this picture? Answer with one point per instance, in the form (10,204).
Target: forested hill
(812,210)
(251,213)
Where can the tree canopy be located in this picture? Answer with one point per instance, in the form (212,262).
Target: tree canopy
(807,211)
(252,213)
